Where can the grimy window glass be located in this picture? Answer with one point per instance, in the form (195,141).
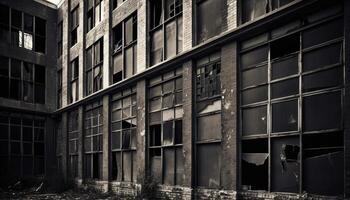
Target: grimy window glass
(4,23)
(209,19)
(165,29)
(123,135)
(291,118)
(94,13)
(22,81)
(74,24)
(73,75)
(94,67)
(73,138)
(125,48)
(93,141)
(208,121)
(165,127)
(22,146)
(252,9)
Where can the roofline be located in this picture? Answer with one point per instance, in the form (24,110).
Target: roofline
(47,3)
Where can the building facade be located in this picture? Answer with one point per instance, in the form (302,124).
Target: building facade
(210,99)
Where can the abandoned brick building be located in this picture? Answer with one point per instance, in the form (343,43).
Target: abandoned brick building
(210,98)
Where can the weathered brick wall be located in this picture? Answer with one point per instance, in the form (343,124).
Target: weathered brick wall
(124,189)
(214,194)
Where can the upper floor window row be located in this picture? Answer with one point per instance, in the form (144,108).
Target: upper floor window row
(117,3)
(252,9)
(27,31)
(166,29)
(74,25)
(94,13)
(94,66)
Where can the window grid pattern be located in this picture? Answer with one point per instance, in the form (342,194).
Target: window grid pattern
(74,25)
(165,29)
(165,127)
(73,142)
(95,13)
(208,122)
(93,141)
(22,80)
(291,94)
(74,80)
(94,67)
(123,135)
(22,145)
(125,49)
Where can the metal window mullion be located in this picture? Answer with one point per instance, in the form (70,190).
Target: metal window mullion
(300,111)
(268,115)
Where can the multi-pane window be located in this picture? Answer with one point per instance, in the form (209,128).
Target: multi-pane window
(60,39)
(252,9)
(93,141)
(95,13)
(58,143)
(125,49)
(123,135)
(25,34)
(292,81)
(209,19)
(117,3)
(208,117)
(166,31)
(73,138)
(22,147)
(4,23)
(74,26)
(94,66)
(59,88)
(165,128)
(73,80)
(22,80)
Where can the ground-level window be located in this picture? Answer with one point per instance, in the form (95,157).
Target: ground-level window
(22,147)
(208,121)
(292,135)
(123,135)
(93,141)
(165,128)
(73,138)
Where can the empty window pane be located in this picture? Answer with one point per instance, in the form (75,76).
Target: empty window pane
(156,47)
(285,88)
(254,121)
(285,67)
(209,127)
(254,57)
(168,133)
(254,95)
(322,57)
(285,116)
(254,76)
(169,166)
(285,46)
(322,112)
(252,9)
(209,165)
(209,19)
(324,79)
(170,39)
(329,31)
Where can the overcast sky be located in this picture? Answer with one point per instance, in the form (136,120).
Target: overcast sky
(54,1)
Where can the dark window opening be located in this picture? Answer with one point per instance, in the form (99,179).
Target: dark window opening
(209,19)
(74,25)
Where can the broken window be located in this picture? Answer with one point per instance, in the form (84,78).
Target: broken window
(165,31)
(208,82)
(95,13)
(4,23)
(165,128)
(74,80)
(209,19)
(123,135)
(40,35)
(276,110)
(28,32)
(253,9)
(208,117)
(94,66)
(74,25)
(60,38)
(125,45)
(19,143)
(73,142)
(93,141)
